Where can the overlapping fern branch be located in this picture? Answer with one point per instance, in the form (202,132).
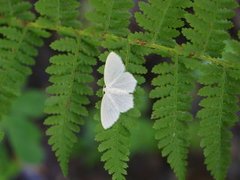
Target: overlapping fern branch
(217,117)
(18,48)
(174,83)
(219,111)
(207,36)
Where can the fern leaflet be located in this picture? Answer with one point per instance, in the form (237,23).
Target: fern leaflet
(58,12)
(110,16)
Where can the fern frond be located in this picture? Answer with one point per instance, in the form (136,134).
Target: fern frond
(231,54)
(16,57)
(17,50)
(15,9)
(58,12)
(207,36)
(161,18)
(115,149)
(219,111)
(111,16)
(209,26)
(217,117)
(70,75)
(172,89)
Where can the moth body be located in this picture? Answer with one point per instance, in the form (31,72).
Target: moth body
(114,91)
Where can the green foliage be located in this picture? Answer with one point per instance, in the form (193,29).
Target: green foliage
(173,87)
(19,9)
(173,84)
(70,77)
(8,167)
(115,142)
(58,12)
(113,17)
(209,24)
(217,117)
(161,18)
(209,57)
(18,50)
(219,105)
(219,111)
(110,16)
(19,128)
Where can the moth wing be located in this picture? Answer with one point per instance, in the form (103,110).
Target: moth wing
(125,82)
(109,111)
(124,102)
(114,68)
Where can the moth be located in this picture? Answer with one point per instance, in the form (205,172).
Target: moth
(118,90)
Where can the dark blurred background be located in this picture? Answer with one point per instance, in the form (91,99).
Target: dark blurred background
(26,155)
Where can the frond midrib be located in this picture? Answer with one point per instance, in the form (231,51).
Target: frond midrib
(73,76)
(220,124)
(138,42)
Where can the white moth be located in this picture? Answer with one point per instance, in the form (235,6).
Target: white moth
(120,85)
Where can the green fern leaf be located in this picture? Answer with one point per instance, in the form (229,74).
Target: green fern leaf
(58,12)
(217,117)
(15,9)
(207,38)
(16,57)
(231,55)
(219,110)
(172,89)
(110,16)
(17,49)
(209,24)
(70,75)
(161,20)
